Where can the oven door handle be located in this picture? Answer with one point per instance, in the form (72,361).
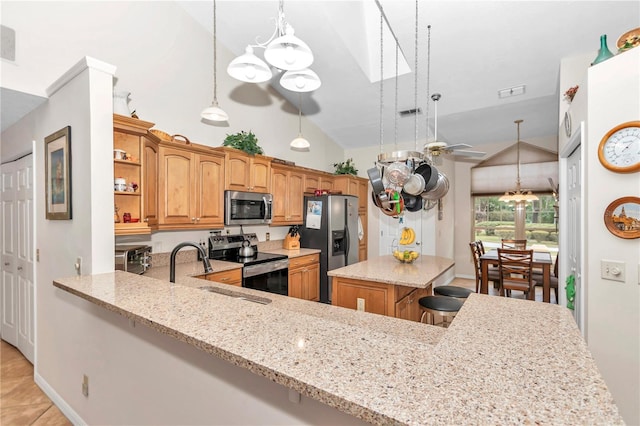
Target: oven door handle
(264,268)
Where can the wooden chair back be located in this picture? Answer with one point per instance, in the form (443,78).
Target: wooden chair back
(514,244)
(473,245)
(480,245)
(516,271)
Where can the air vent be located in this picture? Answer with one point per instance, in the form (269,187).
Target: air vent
(8,43)
(410,112)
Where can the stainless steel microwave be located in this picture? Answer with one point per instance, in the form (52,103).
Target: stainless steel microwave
(247,208)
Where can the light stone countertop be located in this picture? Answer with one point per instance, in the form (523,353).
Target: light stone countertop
(534,367)
(389,270)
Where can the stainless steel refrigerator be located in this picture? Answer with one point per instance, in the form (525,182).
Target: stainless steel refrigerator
(331,225)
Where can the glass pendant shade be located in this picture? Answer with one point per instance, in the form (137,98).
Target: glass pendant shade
(249,68)
(288,52)
(300,142)
(214,113)
(303,80)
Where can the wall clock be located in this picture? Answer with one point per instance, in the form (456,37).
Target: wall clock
(619,149)
(622,217)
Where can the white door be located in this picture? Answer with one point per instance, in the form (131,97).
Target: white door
(574,227)
(9,290)
(17,255)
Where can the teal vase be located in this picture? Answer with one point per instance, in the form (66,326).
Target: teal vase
(604,53)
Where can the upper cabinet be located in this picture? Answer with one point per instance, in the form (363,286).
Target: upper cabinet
(137,167)
(190,187)
(287,184)
(246,172)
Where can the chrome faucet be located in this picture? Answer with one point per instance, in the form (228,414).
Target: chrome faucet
(172,261)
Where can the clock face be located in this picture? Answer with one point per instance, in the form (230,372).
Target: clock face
(619,150)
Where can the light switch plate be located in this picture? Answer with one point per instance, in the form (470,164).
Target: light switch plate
(612,270)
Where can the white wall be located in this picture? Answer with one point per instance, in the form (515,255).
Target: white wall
(613,308)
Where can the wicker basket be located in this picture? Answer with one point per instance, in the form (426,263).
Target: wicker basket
(170,138)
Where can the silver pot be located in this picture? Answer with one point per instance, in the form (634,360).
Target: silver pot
(440,190)
(246,250)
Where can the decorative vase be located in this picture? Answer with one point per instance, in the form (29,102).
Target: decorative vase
(604,53)
(121,103)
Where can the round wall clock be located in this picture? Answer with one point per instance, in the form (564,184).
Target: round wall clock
(622,217)
(619,149)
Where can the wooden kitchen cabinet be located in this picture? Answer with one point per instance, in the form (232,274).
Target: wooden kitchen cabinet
(132,136)
(379,298)
(304,277)
(232,277)
(244,172)
(313,181)
(288,195)
(190,187)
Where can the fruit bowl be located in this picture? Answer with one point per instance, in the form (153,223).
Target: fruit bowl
(406,256)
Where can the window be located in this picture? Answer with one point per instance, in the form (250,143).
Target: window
(494,220)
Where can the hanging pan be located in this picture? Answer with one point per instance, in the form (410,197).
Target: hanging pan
(440,190)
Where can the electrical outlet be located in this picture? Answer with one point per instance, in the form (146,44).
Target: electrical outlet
(78,265)
(267,236)
(360,304)
(612,270)
(85,385)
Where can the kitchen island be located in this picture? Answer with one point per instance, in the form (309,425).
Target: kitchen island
(533,368)
(385,286)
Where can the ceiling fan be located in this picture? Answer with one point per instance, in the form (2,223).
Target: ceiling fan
(436,148)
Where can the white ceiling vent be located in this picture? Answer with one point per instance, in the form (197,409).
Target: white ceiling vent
(8,43)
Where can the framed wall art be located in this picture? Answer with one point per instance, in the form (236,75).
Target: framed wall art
(57,169)
(622,217)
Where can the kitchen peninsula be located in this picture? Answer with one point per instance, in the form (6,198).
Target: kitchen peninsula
(383,285)
(533,368)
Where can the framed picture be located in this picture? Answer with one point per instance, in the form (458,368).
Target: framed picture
(57,169)
(622,217)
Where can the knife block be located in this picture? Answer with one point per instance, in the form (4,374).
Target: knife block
(291,243)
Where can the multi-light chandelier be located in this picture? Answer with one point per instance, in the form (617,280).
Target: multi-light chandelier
(518,195)
(283,51)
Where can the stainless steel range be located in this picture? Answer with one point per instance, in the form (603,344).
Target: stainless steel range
(260,271)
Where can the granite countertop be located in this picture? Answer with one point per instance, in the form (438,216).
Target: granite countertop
(534,367)
(388,270)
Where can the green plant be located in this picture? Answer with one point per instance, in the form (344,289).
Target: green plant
(345,168)
(243,141)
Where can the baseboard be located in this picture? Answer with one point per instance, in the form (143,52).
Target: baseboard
(58,401)
(466,277)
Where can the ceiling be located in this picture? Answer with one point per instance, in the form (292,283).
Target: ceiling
(477,48)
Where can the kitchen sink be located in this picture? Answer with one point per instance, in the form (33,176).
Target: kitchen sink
(236,295)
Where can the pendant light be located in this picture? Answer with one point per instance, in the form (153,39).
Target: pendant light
(284,51)
(214,112)
(518,195)
(300,143)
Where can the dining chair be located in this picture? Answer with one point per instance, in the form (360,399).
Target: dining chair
(516,272)
(480,246)
(553,283)
(493,276)
(514,244)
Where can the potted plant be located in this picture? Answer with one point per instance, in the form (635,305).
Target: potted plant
(243,141)
(345,168)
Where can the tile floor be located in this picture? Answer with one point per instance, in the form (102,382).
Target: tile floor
(21,400)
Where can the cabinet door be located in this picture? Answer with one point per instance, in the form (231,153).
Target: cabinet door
(295,283)
(150,183)
(177,184)
(295,197)
(415,310)
(313,282)
(311,183)
(237,172)
(279,187)
(403,308)
(209,208)
(363,195)
(260,175)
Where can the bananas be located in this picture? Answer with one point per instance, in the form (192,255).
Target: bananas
(408,236)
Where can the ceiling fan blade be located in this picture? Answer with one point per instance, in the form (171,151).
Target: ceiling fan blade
(470,153)
(459,146)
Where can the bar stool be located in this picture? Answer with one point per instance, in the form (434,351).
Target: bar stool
(439,305)
(452,291)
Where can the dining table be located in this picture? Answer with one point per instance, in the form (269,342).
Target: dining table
(541,259)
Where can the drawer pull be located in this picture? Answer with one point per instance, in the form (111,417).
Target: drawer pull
(224,279)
